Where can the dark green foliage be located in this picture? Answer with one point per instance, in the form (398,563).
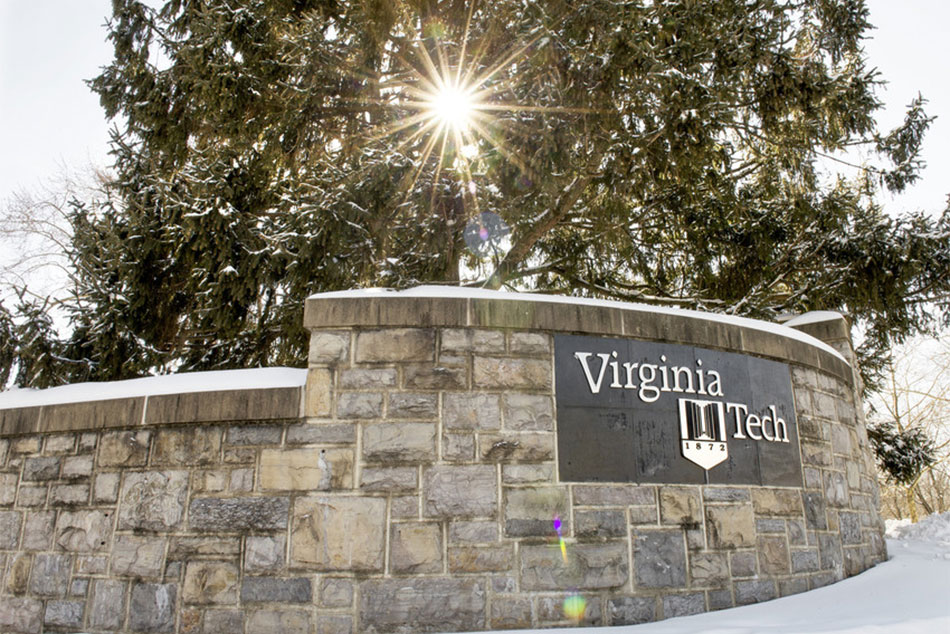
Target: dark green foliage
(902,454)
(669,152)
(8,345)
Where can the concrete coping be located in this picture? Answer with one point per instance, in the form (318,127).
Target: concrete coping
(198,397)
(455,307)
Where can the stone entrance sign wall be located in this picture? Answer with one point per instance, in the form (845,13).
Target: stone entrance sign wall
(413,483)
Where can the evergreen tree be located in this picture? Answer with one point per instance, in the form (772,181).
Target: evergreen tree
(667,152)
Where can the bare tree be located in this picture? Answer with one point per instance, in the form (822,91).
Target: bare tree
(35,234)
(915,400)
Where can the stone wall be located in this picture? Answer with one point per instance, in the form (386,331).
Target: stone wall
(411,488)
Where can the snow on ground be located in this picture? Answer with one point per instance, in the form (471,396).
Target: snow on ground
(908,594)
(154,385)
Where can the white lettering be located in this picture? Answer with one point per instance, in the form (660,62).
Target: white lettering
(680,372)
(715,385)
(752,423)
(582,357)
(616,369)
(648,392)
(630,367)
(738,407)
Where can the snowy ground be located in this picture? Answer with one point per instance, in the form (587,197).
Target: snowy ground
(908,594)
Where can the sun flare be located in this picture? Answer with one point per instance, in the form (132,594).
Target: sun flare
(453,106)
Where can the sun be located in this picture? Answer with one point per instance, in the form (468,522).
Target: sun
(454,107)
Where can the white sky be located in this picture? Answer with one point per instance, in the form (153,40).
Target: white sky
(50,120)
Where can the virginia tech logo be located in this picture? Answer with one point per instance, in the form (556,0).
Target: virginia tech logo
(703,432)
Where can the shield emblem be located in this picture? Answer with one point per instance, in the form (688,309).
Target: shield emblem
(703,432)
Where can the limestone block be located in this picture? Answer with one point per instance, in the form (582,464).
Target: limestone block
(8,482)
(106,604)
(530,374)
(79,587)
(75,467)
(365,378)
(223,622)
(683,604)
(20,615)
(210,582)
(426,376)
(465,410)
(742,564)
(419,405)
(600,523)
(631,610)
(457,341)
(41,468)
(123,449)
(530,343)
(510,613)
(283,620)
(306,469)
(336,592)
(50,576)
(708,569)
(485,558)
(106,487)
(472,532)
(428,604)
(239,514)
(777,502)
(321,433)
(186,547)
(334,624)
(773,555)
(18,574)
(389,478)
(623,495)
(274,589)
(264,553)
(720,599)
(754,591)
(328,347)
(680,505)
(770,526)
(152,500)
(404,507)
(804,560)
(829,549)
(589,566)
(10,522)
(399,442)
(850,528)
(458,447)
(254,435)
(528,412)
(359,405)
(725,494)
(395,344)
(69,494)
(730,526)
(84,531)
(153,607)
(513,446)
(659,559)
(416,547)
(643,515)
(135,556)
(527,473)
(550,611)
(63,614)
(460,491)
(319,392)
(192,446)
(338,533)
(531,511)
(836,489)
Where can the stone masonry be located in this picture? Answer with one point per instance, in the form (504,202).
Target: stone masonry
(411,490)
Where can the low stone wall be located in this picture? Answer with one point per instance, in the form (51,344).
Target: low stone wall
(412,488)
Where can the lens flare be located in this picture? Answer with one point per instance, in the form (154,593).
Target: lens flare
(574,607)
(453,106)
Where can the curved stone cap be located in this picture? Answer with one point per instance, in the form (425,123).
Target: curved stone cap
(447,306)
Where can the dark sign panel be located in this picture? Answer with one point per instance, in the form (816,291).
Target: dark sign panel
(632,411)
